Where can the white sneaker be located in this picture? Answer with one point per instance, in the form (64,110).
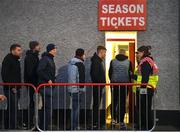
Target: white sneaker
(113,122)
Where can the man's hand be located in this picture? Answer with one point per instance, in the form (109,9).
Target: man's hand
(50,82)
(2,98)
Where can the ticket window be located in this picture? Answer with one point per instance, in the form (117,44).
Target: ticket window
(114,41)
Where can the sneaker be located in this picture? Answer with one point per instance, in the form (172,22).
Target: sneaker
(123,126)
(77,128)
(113,122)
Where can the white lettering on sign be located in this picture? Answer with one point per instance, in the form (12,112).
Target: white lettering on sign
(112,9)
(122,21)
(122,15)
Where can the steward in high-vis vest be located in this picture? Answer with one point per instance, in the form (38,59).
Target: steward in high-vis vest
(147,73)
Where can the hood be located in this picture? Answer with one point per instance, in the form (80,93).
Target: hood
(74,61)
(121,57)
(96,57)
(47,54)
(30,52)
(148,56)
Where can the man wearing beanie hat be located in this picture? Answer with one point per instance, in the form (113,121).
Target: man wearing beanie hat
(46,74)
(76,74)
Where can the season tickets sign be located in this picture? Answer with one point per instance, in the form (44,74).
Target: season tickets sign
(122,15)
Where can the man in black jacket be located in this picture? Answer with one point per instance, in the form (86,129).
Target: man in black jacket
(98,76)
(11,73)
(31,62)
(46,74)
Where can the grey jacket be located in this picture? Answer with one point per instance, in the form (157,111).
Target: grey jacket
(120,69)
(73,75)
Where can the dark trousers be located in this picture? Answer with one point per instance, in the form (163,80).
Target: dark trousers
(98,116)
(31,106)
(29,114)
(144,119)
(47,109)
(118,105)
(11,114)
(75,115)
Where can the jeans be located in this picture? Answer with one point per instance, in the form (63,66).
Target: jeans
(118,105)
(47,109)
(75,115)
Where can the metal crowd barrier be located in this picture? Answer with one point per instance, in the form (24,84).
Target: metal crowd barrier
(131,108)
(17,111)
(55,107)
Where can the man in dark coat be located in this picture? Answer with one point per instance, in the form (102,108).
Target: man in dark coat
(98,76)
(46,74)
(11,73)
(31,62)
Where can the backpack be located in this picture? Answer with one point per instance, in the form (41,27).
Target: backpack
(81,70)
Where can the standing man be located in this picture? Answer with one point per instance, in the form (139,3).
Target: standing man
(98,76)
(31,62)
(46,74)
(76,74)
(11,73)
(120,71)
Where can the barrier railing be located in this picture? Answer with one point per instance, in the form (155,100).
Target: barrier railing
(84,107)
(17,111)
(66,106)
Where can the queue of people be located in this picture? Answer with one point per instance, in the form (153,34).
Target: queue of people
(43,71)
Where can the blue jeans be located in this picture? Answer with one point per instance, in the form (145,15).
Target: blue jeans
(75,110)
(47,109)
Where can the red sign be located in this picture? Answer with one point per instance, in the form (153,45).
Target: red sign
(122,15)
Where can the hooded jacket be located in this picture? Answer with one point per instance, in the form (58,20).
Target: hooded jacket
(31,62)
(46,68)
(76,74)
(146,71)
(120,69)
(97,70)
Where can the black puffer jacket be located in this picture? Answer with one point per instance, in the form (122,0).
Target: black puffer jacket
(46,68)
(11,70)
(31,62)
(97,70)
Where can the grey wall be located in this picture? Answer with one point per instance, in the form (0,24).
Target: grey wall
(73,23)
(163,34)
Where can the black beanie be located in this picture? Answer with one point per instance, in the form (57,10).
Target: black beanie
(143,49)
(50,47)
(79,52)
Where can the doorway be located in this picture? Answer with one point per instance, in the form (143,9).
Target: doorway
(114,41)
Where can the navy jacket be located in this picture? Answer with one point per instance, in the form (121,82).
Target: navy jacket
(46,68)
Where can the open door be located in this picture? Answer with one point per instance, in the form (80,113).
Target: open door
(114,42)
